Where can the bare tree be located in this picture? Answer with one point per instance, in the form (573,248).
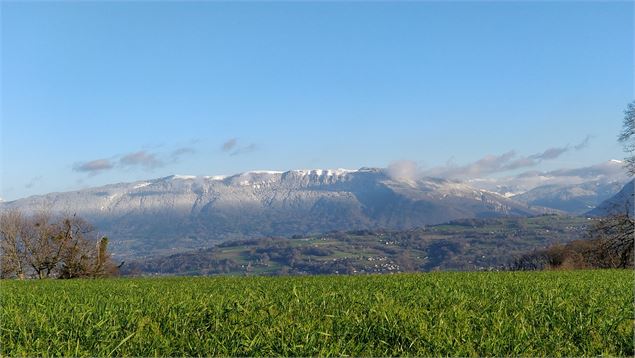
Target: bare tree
(616,230)
(41,247)
(627,137)
(12,251)
(616,234)
(38,237)
(78,255)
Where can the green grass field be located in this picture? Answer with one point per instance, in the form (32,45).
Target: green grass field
(459,314)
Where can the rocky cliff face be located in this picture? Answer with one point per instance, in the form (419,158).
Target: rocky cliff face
(178,212)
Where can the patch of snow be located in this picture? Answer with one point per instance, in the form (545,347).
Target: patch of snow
(339,171)
(325,172)
(262,172)
(141,185)
(109,200)
(303,172)
(184,177)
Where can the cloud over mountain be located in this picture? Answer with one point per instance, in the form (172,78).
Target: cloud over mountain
(94,166)
(141,159)
(233,147)
(509,161)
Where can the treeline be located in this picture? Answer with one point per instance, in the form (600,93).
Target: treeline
(44,246)
(610,245)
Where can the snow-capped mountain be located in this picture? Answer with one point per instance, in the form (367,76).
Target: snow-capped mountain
(573,198)
(574,191)
(187,211)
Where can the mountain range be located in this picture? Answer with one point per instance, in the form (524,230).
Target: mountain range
(180,212)
(573,191)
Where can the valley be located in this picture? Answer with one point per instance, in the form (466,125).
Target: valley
(461,245)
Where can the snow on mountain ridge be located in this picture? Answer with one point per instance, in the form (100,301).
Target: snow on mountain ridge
(184,177)
(264,176)
(153,214)
(252,186)
(141,185)
(319,172)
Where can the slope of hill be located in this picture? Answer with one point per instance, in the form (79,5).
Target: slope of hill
(178,212)
(619,203)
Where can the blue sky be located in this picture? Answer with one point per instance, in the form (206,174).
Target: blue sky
(98,92)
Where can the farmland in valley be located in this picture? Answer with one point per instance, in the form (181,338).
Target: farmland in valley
(460,245)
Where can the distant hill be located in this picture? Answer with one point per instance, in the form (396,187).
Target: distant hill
(621,202)
(571,198)
(469,244)
(574,191)
(179,212)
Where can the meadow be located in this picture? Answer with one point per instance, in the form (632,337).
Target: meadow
(553,313)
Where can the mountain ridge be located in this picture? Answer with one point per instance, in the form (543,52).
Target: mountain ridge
(623,201)
(178,211)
